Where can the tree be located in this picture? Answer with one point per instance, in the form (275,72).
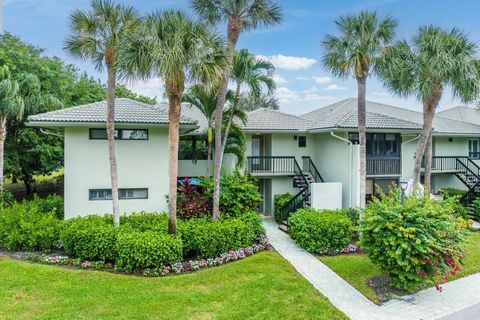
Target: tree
(247,102)
(239,16)
(11,106)
(178,49)
(435,60)
(250,72)
(357,51)
(98,35)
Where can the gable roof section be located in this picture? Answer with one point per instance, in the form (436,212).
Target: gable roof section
(127,111)
(462,113)
(264,119)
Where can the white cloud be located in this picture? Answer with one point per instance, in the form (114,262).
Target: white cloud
(322,80)
(279,79)
(333,87)
(303,78)
(286,95)
(316,97)
(289,63)
(382,94)
(153,88)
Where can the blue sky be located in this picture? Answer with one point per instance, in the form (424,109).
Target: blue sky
(293,46)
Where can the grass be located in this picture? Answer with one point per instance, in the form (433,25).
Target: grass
(357,269)
(264,286)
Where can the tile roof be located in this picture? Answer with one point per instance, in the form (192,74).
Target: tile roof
(462,113)
(126,111)
(191,112)
(273,120)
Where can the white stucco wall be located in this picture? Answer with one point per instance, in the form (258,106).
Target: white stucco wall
(141,164)
(326,195)
(189,168)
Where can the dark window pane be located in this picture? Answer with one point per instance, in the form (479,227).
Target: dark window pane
(106,194)
(302,141)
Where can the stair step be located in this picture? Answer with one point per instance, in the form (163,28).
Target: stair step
(283,228)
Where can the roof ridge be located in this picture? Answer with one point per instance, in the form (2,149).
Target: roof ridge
(347,115)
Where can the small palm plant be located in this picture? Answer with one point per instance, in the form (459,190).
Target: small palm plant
(356,52)
(239,16)
(98,35)
(178,49)
(433,62)
(11,106)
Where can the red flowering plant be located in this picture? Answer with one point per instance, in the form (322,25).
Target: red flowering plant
(191,201)
(417,244)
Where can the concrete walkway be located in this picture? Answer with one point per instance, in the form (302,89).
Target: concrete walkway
(427,304)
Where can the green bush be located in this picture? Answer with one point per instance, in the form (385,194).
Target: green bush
(238,193)
(279,200)
(6,199)
(138,249)
(25,226)
(146,221)
(324,232)
(51,203)
(415,242)
(90,238)
(476,208)
(453,192)
(203,237)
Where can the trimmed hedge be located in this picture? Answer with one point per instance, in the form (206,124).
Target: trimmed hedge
(279,200)
(27,226)
(323,232)
(137,249)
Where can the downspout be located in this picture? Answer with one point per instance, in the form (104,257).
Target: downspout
(401,149)
(350,164)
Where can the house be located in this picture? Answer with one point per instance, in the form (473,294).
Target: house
(287,153)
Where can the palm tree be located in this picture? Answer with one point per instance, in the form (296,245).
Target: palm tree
(356,52)
(205,99)
(178,49)
(435,60)
(239,16)
(11,106)
(253,73)
(98,35)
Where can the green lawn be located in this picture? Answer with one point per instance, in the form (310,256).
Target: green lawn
(357,269)
(264,286)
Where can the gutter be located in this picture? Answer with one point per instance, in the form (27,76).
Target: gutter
(350,164)
(51,133)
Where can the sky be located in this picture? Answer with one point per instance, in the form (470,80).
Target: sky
(294,46)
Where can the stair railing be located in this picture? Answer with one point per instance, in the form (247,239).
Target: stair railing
(297,202)
(309,166)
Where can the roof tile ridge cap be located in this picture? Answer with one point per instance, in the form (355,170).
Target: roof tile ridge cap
(344,118)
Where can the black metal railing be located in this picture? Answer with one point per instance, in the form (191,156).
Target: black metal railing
(383,166)
(271,164)
(309,166)
(445,163)
(297,202)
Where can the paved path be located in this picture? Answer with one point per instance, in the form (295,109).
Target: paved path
(428,304)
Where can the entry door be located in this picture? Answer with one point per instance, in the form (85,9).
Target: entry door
(257,151)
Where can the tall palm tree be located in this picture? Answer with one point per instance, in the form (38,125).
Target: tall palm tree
(253,73)
(357,51)
(435,60)
(239,16)
(178,49)
(98,35)
(11,106)
(205,99)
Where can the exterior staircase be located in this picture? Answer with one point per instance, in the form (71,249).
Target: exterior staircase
(302,179)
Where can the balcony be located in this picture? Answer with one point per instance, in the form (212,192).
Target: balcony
(383,166)
(447,164)
(272,165)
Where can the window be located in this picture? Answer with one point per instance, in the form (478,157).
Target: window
(302,141)
(106,194)
(120,134)
(474,148)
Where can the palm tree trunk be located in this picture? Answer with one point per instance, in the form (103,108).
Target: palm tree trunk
(230,120)
(3,136)
(429,108)
(233,32)
(111,84)
(362,137)
(428,165)
(174,110)
(209,155)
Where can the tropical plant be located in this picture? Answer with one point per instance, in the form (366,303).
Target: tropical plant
(176,48)
(247,102)
(357,51)
(98,35)
(239,16)
(433,62)
(11,106)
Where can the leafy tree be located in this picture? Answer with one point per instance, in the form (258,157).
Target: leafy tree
(97,35)
(434,61)
(11,106)
(248,102)
(176,48)
(357,51)
(239,16)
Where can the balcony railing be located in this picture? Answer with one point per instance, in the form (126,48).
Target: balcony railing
(271,164)
(383,166)
(447,163)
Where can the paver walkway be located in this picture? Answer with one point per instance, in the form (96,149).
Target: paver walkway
(428,304)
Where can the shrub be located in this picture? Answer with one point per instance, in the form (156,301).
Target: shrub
(90,238)
(146,221)
(6,199)
(238,193)
(147,249)
(26,226)
(476,208)
(453,192)
(279,200)
(52,203)
(191,201)
(324,232)
(415,242)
